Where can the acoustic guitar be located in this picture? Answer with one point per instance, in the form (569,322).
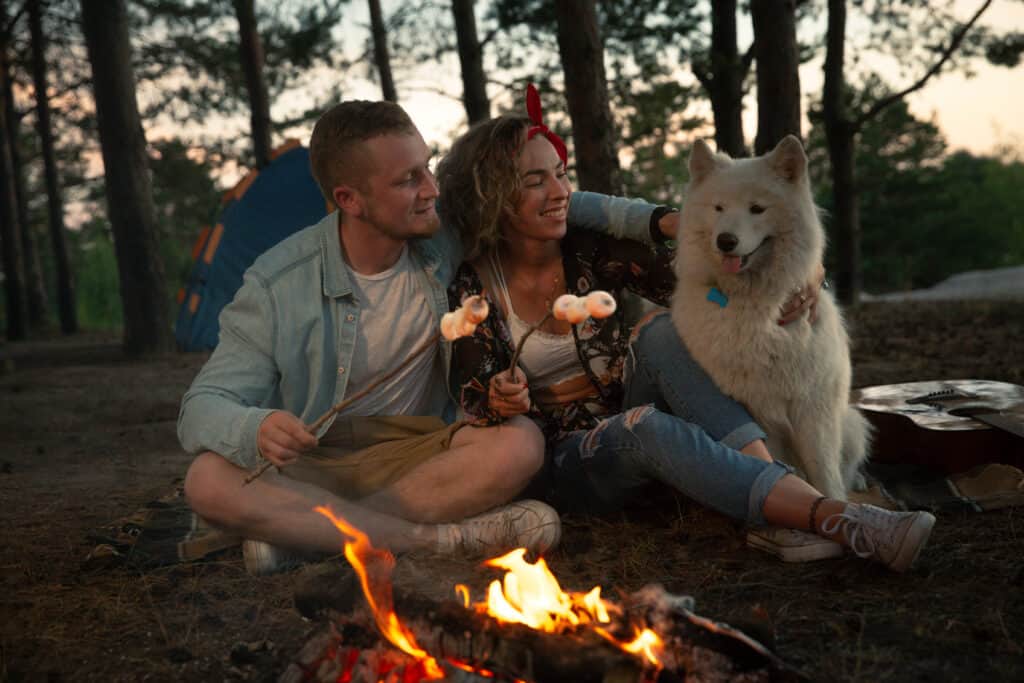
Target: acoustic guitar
(950,425)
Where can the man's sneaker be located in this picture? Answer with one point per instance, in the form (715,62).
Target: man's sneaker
(893,538)
(262,558)
(526,524)
(792,545)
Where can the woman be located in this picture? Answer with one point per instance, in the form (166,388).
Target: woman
(504,185)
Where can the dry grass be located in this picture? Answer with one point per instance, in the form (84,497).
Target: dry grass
(87,437)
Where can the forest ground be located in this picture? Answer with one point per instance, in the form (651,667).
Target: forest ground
(87,436)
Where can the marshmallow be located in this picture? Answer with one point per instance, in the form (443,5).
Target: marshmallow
(448,330)
(600,304)
(561,307)
(475,308)
(577,312)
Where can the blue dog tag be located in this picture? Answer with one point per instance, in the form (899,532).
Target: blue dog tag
(716,296)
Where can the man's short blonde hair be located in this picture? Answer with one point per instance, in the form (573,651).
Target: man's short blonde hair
(334,148)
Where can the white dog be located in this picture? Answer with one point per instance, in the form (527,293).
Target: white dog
(749,238)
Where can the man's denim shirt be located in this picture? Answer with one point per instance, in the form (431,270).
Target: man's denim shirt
(287,338)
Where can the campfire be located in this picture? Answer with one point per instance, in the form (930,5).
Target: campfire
(527,629)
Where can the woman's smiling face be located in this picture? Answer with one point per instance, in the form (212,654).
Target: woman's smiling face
(543,202)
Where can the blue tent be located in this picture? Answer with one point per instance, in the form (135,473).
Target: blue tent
(261,210)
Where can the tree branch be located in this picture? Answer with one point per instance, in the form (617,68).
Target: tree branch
(885,102)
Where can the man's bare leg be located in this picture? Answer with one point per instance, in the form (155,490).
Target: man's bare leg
(485,467)
(280,510)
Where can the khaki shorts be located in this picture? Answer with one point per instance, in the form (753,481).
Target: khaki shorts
(362,455)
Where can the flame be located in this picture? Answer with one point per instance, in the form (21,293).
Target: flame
(529,594)
(374,569)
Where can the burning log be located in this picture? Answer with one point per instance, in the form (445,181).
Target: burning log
(472,646)
(528,629)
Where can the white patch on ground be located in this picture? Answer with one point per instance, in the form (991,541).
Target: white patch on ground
(999,283)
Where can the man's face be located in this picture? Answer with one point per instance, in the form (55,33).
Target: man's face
(397,196)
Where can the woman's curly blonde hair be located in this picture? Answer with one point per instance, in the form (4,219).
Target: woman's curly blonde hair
(480,183)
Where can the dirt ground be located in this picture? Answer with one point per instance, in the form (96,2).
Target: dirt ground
(87,436)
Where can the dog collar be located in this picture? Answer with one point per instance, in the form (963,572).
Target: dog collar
(717,296)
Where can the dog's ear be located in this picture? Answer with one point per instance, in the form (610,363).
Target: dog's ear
(702,161)
(788,159)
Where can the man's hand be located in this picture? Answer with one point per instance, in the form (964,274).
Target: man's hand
(508,394)
(283,437)
(803,300)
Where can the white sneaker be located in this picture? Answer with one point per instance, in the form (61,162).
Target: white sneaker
(262,558)
(893,538)
(528,524)
(793,545)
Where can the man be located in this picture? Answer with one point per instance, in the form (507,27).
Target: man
(321,316)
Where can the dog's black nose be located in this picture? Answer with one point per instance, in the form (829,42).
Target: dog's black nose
(727,242)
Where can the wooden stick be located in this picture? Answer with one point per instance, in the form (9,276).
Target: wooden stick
(337,408)
(522,340)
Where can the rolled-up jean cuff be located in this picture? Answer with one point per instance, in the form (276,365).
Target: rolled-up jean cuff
(742,435)
(764,483)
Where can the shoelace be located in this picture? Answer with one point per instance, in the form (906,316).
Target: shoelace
(860,542)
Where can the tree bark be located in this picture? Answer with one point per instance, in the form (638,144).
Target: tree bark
(839,134)
(35,287)
(474,83)
(778,78)
(54,202)
(586,90)
(10,240)
(251,55)
(725,85)
(128,185)
(380,51)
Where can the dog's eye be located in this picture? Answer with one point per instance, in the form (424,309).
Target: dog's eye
(756,209)
(718,208)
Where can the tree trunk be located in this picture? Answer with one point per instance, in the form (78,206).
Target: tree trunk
(839,132)
(474,84)
(127,178)
(251,55)
(35,287)
(380,51)
(54,204)
(10,240)
(725,86)
(778,78)
(586,90)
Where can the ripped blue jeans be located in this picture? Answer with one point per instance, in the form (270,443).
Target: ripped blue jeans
(677,429)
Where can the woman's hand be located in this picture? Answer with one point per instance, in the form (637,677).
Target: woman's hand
(803,300)
(508,394)
(282,437)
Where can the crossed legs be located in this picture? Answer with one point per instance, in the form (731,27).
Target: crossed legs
(483,468)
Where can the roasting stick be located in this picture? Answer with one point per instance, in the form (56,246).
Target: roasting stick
(574,309)
(459,323)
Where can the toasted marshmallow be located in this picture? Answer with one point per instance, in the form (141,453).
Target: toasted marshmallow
(475,308)
(600,304)
(560,309)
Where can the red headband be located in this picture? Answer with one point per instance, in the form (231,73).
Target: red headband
(534,111)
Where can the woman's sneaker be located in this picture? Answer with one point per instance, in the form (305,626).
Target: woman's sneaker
(793,545)
(528,524)
(893,538)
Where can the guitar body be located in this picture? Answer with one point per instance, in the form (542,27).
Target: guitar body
(940,424)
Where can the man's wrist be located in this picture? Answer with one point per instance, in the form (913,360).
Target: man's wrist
(658,233)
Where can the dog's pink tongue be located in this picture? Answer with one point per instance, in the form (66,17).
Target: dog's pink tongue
(731,264)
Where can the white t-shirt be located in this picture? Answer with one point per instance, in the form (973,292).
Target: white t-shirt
(395,319)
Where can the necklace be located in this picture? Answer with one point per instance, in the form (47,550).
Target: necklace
(549,299)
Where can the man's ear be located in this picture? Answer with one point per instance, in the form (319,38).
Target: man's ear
(349,200)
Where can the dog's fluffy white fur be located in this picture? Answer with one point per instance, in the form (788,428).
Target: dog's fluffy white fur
(749,228)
